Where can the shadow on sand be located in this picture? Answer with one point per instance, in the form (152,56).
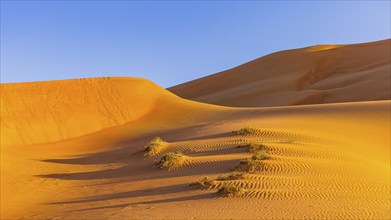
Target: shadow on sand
(127,164)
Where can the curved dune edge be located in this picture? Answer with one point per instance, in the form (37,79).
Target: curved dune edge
(326,161)
(42,112)
(311,75)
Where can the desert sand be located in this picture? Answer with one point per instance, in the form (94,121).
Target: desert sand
(75,149)
(312,75)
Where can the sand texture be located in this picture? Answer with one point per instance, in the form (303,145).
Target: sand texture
(75,149)
(312,75)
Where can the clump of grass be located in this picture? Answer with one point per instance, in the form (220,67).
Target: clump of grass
(260,155)
(231,176)
(248,165)
(206,182)
(172,160)
(252,146)
(154,146)
(252,164)
(247,130)
(231,191)
(244,144)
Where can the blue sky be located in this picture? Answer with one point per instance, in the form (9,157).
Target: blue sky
(170,42)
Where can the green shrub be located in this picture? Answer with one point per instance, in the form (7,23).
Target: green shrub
(155,146)
(172,160)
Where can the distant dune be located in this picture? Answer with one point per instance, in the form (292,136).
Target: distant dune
(312,75)
(76,149)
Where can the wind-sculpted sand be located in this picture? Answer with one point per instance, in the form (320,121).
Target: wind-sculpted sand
(87,149)
(311,75)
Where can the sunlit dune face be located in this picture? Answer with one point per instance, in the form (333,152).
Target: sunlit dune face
(322,47)
(311,75)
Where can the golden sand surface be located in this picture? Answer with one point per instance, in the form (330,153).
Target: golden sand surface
(75,149)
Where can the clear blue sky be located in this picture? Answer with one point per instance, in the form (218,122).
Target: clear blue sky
(170,42)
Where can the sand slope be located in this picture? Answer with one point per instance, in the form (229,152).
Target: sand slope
(50,111)
(328,161)
(312,75)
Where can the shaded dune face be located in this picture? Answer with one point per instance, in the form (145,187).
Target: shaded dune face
(56,110)
(312,75)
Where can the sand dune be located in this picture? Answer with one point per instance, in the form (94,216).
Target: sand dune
(33,113)
(328,161)
(75,149)
(312,75)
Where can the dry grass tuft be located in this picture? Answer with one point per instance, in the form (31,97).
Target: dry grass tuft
(245,144)
(260,155)
(206,182)
(252,164)
(252,146)
(231,176)
(231,191)
(249,165)
(247,130)
(155,146)
(172,160)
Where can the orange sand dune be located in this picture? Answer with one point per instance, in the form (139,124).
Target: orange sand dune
(328,161)
(312,75)
(42,112)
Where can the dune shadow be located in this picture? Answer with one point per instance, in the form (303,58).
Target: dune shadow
(211,136)
(168,200)
(136,171)
(132,194)
(126,163)
(181,199)
(102,207)
(224,151)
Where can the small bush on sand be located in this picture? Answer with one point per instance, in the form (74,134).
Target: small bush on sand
(206,182)
(252,146)
(231,191)
(231,176)
(154,146)
(247,130)
(172,160)
(244,144)
(253,164)
(260,155)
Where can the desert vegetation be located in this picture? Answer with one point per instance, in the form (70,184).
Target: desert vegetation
(254,163)
(155,146)
(172,160)
(231,191)
(205,182)
(252,146)
(220,183)
(231,176)
(246,130)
